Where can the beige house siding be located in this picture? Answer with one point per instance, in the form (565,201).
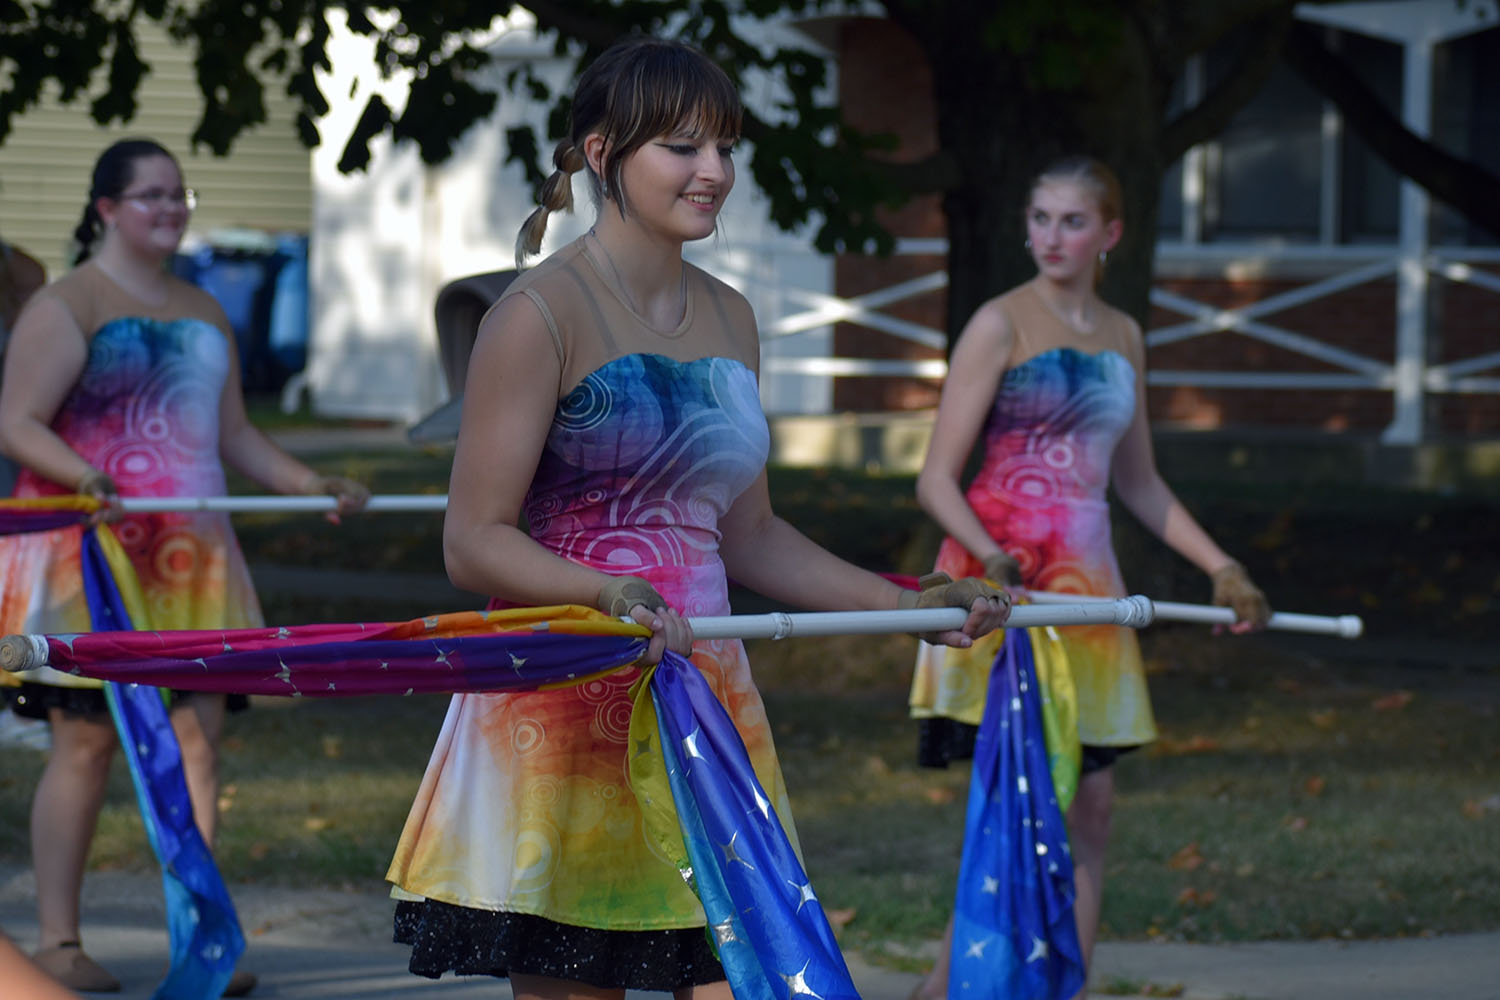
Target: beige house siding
(264,183)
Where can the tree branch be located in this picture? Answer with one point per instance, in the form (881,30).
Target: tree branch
(1208,117)
(1465,186)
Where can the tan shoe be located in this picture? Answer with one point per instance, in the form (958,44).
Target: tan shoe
(240,984)
(70,966)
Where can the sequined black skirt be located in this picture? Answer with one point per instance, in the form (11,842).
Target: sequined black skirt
(32,701)
(470,942)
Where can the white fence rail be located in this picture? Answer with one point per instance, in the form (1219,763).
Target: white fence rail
(1409,376)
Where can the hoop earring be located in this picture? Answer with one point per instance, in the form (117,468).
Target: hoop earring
(1102,255)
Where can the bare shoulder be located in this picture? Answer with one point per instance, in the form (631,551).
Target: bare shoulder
(738,315)
(1132,339)
(196,302)
(518,329)
(991,324)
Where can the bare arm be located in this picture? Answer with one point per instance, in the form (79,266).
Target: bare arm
(979,360)
(46,355)
(510,398)
(1145,494)
(247,449)
(768,555)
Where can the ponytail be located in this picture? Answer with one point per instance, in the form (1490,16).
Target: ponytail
(112,172)
(556,195)
(86,233)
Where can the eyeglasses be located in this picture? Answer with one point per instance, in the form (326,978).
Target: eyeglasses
(153,198)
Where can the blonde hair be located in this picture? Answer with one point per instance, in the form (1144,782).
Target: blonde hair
(1093,177)
(637,90)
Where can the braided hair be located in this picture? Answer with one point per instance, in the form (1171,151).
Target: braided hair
(113,172)
(639,89)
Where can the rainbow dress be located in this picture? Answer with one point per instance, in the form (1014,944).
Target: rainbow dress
(526,806)
(1040,492)
(145,410)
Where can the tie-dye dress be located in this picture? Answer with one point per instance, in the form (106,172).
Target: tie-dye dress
(526,817)
(145,410)
(1040,492)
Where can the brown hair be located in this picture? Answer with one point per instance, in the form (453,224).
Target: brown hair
(637,90)
(113,172)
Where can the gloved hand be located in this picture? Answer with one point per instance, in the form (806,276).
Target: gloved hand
(669,630)
(939,590)
(352,495)
(1234,589)
(1003,568)
(97,484)
(622,593)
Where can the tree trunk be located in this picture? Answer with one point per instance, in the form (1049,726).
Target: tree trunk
(1004,128)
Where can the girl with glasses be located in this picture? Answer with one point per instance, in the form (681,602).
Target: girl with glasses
(123,380)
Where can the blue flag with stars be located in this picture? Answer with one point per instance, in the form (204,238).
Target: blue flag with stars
(772,936)
(202,928)
(1013,932)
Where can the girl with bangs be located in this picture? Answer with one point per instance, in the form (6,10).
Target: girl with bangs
(612,402)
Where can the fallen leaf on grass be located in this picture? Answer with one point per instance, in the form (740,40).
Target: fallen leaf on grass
(938,796)
(1476,808)
(1296,824)
(259,850)
(1393,702)
(316,823)
(1168,747)
(1187,859)
(1164,990)
(839,919)
(1315,785)
(1196,897)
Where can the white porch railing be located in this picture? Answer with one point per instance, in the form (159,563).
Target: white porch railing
(1409,376)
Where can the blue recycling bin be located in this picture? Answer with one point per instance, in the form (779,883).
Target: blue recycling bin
(264,295)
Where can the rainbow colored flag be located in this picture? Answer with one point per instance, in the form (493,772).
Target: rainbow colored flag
(695,779)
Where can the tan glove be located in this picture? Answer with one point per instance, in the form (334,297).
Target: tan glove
(939,590)
(622,593)
(1003,569)
(351,495)
(98,484)
(1234,589)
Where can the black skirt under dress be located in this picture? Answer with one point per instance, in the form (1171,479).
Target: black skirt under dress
(32,700)
(473,942)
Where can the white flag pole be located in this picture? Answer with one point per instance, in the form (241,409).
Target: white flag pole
(29,650)
(1132,612)
(386,503)
(1343,626)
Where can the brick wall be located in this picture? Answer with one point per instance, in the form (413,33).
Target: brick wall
(885,87)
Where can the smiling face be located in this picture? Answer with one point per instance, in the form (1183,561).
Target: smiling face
(150,214)
(1067,231)
(676,184)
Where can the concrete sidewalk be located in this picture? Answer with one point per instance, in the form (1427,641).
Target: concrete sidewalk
(308,944)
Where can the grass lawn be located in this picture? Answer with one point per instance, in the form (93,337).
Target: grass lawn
(1300,789)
